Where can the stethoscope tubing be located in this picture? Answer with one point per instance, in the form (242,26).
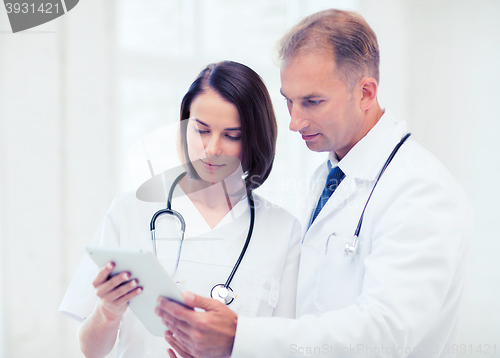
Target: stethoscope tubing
(353,247)
(168,210)
(247,241)
(389,160)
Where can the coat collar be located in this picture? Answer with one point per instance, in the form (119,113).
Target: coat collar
(232,225)
(365,160)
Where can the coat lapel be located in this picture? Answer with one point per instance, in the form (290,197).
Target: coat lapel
(339,198)
(312,197)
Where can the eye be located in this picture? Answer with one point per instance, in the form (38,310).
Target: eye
(230,137)
(200,131)
(313,102)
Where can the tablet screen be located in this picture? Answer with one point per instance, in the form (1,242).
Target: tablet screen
(153,279)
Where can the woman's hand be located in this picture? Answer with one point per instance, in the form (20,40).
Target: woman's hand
(97,333)
(115,292)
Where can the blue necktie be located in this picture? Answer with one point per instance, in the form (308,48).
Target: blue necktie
(335,176)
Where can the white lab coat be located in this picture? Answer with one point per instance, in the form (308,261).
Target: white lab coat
(265,281)
(401,295)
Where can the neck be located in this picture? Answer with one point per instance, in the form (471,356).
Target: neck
(370,118)
(213,201)
(374,113)
(222,194)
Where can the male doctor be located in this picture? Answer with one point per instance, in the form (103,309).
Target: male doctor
(397,292)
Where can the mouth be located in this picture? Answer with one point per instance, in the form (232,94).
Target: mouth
(307,137)
(211,167)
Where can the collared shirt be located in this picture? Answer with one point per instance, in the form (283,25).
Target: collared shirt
(403,291)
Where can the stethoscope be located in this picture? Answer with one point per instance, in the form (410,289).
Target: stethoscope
(221,292)
(352,249)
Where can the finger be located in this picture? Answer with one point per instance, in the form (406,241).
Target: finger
(120,291)
(171,309)
(110,285)
(177,310)
(103,274)
(171,353)
(176,344)
(167,319)
(208,304)
(125,299)
(171,321)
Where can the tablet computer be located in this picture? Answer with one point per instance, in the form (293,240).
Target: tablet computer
(153,279)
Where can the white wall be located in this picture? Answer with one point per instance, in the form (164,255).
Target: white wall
(75,93)
(57,164)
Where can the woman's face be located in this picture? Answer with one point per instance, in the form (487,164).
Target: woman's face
(214,137)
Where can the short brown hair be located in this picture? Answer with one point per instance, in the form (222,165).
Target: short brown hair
(352,40)
(243,87)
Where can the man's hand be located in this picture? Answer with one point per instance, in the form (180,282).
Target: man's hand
(199,334)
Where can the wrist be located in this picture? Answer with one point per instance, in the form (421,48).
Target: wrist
(108,316)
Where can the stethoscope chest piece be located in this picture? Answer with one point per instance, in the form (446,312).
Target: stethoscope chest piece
(352,249)
(223,294)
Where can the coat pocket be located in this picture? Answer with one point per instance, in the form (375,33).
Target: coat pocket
(339,278)
(257,294)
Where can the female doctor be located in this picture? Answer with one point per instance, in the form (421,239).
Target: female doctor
(227,138)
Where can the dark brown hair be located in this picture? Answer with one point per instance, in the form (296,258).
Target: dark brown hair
(241,86)
(346,33)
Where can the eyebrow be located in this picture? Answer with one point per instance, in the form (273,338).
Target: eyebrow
(312,95)
(226,129)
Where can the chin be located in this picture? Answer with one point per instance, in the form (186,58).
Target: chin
(317,147)
(213,177)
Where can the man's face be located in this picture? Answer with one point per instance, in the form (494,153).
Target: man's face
(322,110)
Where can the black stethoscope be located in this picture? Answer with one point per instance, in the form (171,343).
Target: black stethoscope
(221,292)
(352,249)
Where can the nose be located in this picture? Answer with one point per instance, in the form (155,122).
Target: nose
(298,120)
(213,147)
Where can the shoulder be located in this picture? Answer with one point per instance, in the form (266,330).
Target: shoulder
(125,198)
(126,207)
(123,202)
(270,209)
(417,181)
(274,216)
(274,225)
(417,165)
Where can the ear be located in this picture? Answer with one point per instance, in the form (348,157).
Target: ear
(369,88)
